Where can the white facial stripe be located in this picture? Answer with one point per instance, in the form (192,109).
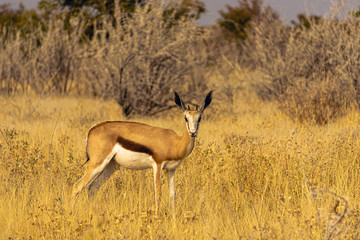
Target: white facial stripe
(192,123)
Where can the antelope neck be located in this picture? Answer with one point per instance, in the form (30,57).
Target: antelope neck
(187,143)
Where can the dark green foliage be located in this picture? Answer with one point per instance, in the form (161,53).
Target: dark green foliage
(14,21)
(92,7)
(91,11)
(306,22)
(235,22)
(356,13)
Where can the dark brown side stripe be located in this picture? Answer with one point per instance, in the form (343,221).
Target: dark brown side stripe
(133,146)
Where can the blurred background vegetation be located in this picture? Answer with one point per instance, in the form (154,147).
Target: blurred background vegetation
(138,52)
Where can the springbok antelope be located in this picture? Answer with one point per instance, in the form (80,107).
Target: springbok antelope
(136,145)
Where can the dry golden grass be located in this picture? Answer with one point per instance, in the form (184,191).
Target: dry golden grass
(253,174)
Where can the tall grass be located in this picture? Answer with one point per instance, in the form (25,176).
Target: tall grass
(251,175)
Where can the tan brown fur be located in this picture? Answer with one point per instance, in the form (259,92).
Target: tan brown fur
(159,141)
(163,146)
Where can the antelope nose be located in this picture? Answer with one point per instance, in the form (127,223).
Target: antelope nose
(193,134)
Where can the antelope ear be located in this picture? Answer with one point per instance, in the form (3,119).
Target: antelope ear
(207,101)
(179,102)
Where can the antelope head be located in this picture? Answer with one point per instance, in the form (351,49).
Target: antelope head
(193,115)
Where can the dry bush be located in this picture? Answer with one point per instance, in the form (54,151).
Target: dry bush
(56,61)
(43,61)
(224,71)
(12,65)
(144,57)
(313,73)
(137,60)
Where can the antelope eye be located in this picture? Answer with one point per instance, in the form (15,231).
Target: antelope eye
(186,119)
(199,119)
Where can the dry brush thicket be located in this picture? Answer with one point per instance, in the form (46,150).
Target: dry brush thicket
(144,58)
(312,72)
(43,62)
(137,60)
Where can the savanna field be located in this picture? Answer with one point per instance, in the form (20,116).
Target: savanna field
(253,174)
(278,150)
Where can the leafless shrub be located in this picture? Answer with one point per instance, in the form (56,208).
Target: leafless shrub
(141,59)
(313,73)
(225,70)
(137,60)
(44,61)
(55,63)
(12,65)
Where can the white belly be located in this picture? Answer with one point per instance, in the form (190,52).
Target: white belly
(132,160)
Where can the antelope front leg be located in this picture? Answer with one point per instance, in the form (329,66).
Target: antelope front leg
(157,185)
(171,183)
